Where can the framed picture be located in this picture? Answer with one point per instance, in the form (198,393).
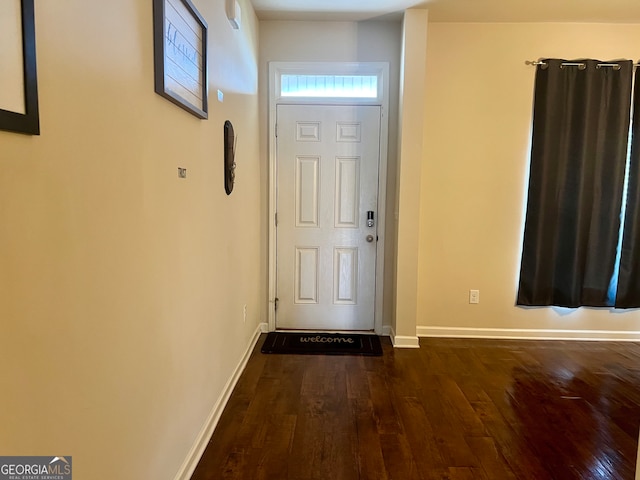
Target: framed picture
(18,75)
(180,55)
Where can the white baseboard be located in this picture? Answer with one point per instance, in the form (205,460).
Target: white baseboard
(400,341)
(528,334)
(199,446)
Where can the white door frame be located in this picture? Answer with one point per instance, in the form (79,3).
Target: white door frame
(381,69)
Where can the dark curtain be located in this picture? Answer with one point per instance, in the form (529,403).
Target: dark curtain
(628,295)
(578,154)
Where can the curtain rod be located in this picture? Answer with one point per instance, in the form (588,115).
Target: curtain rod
(580,65)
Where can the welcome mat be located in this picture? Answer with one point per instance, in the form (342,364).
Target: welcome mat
(322,343)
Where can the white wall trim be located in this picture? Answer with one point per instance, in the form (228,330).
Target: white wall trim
(400,341)
(528,334)
(193,457)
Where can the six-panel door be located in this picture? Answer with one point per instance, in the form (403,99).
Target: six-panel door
(327,181)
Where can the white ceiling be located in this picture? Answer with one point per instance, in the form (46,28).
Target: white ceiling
(604,11)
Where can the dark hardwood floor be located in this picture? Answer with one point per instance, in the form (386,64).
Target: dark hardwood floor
(454,409)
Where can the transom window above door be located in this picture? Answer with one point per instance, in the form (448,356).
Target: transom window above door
(329,83)
(356,86)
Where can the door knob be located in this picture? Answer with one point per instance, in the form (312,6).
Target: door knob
(369,238)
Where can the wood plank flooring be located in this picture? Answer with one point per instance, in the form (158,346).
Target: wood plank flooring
(452,410)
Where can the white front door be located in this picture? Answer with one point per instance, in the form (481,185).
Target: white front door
(327,182)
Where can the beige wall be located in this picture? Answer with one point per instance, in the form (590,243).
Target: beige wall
(121,286)
(366,41)
(478,114)
(410,158)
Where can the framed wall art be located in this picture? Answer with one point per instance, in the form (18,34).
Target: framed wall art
(180,55)
(18,74)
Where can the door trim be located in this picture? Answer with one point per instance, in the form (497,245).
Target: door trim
(275,70)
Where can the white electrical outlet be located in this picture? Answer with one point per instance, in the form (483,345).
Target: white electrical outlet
(474,296)
(244,313)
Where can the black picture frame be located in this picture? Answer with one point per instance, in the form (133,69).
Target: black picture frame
(28,122)
(180,55)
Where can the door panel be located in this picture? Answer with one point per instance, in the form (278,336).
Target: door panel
(327,180)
